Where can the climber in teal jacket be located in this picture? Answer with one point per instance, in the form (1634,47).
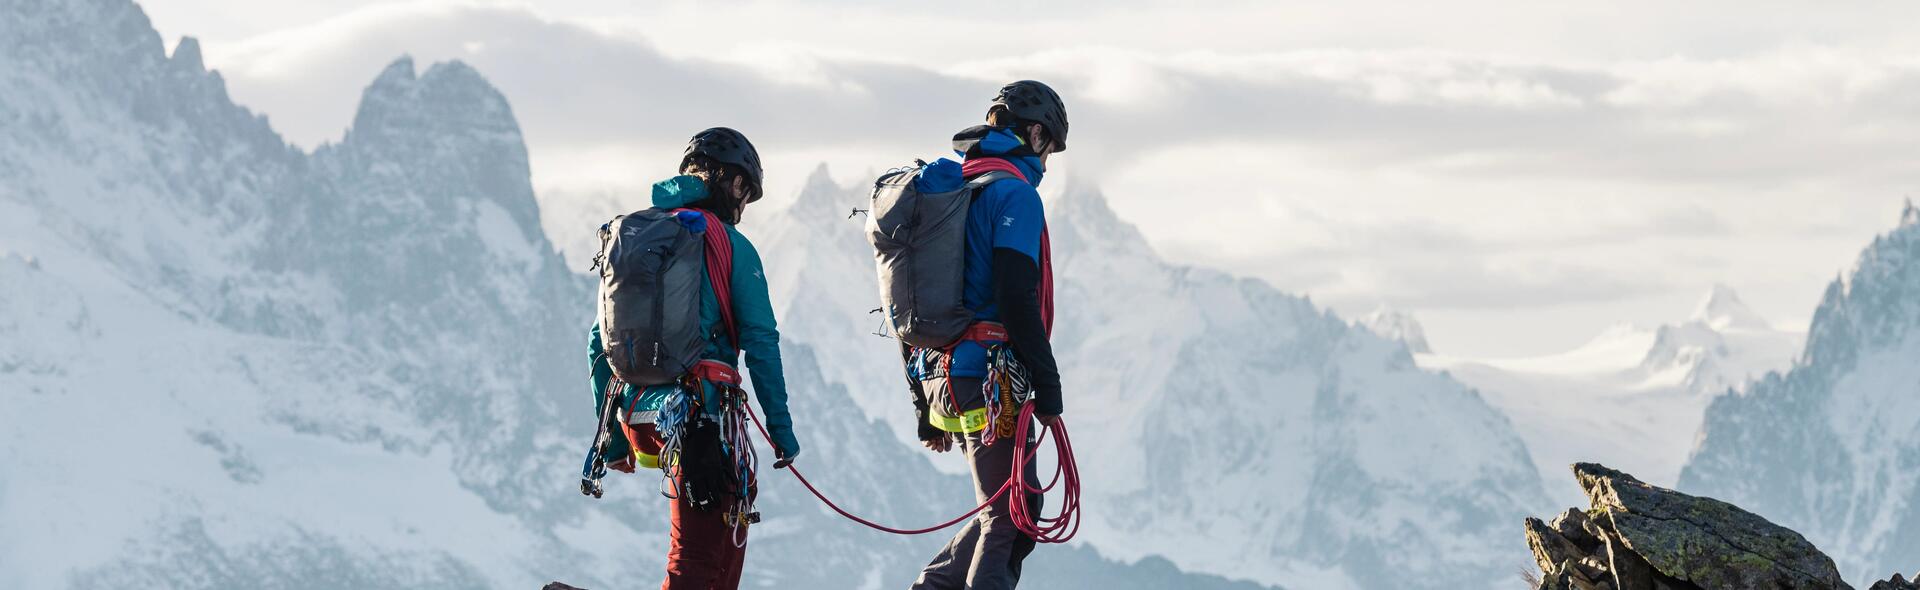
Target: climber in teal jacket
(752,312)
(719,174)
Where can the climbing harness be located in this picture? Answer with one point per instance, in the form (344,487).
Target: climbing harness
(677,419)
(1008,412)
(1006,383)
(1056,529)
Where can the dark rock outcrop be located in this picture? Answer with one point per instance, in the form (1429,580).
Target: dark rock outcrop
(1636,536)
(1897,583)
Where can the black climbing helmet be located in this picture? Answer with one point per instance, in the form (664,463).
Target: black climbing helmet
(727,146)
(1028,100)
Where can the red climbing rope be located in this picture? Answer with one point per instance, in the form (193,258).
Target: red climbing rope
(1056,529)
(1063,526)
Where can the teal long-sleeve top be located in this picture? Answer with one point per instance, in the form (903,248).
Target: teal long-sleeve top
(752,316)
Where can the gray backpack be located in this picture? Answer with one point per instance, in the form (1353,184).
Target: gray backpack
(651,268)
(919,243)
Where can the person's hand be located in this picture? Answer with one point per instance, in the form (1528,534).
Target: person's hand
(623,464)
(939,444)
(1048,420)
(782,460)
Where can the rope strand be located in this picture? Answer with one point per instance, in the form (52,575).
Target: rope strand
(1057,529)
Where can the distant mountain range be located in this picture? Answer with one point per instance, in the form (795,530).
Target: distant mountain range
(1631,397)
(1224,425)
(1831,448)
(226,362)
(1818,432)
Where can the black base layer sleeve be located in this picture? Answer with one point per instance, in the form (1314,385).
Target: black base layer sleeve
(1016,290)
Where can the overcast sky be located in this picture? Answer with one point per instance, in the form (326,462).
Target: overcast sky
(1517,175)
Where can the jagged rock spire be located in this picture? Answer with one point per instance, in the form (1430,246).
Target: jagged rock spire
(1398,325)
(448,97)
(186,55)
(1722,308)
(821,199)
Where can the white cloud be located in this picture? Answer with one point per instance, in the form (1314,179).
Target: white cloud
(1800,76)
(1438,171)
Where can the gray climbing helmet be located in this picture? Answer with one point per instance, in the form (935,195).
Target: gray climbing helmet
(1028,100)
(727,146)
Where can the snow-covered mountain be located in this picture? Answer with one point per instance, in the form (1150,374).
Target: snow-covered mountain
(1831,448)
(1398,325)
(226,361)
(1723,345)
(1222,424)
(1631,397)
(229,363)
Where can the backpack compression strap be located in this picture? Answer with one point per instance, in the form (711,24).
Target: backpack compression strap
(719,268)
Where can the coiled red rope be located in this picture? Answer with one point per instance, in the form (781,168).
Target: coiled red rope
(1056,529)
(1063,526)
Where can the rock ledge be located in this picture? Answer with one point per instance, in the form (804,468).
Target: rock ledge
(1636,536)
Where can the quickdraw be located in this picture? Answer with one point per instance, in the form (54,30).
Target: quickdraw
(736,443)
(1007,389)
(680,406)
(595,467)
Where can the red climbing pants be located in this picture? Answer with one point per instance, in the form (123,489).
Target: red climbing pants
(703,556)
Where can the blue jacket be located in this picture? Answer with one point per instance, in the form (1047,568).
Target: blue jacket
(1007,215)
(752,316)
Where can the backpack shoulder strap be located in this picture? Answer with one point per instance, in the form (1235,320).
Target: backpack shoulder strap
(981,181)
(719,259)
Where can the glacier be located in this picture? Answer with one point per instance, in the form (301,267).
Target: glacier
(1631,397)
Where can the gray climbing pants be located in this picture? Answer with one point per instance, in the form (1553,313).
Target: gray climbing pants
(986,553)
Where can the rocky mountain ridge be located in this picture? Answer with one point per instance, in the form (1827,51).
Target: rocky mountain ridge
(1636,536)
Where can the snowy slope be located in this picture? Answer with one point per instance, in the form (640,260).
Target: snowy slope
(228,363)
(1630,397)
(1226,426)
(1831,448)
(224,357)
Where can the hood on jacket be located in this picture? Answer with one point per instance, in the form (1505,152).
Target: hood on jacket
(987,141)
(679,191)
